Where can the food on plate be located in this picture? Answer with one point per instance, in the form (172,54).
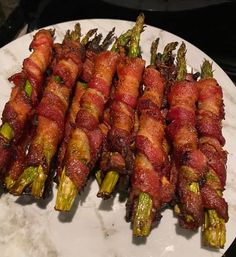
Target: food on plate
(153,132)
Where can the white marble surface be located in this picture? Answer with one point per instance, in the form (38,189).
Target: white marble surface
(93,228)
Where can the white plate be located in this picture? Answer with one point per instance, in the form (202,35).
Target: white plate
(94,228)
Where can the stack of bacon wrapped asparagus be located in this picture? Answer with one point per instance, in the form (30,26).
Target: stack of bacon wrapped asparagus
(151,131)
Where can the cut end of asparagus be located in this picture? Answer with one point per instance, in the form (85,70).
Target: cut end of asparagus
(9,182)
(7,131)
(26,178)
(214,231)
(108,184)
(39,183)
(143,216)
(98,176)
(66,194)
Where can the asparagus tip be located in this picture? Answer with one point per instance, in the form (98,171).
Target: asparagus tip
(181,62)
(154,51)
(206,69)
(214,231)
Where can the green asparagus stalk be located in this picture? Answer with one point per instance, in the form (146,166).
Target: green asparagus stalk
(168,52)
(134,49)
(121,41)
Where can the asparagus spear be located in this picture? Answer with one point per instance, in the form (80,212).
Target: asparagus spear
(144,210)
(111,178)
(213,229)
(192,186)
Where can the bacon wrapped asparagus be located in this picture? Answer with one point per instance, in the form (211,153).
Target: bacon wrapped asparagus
(150,185)
(118,157)
(188,160)
(51,113)
(211,141)
(93,47)
(18,162)
(86,138)
(25,94)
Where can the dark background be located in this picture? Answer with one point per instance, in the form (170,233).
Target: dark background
(212,28)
